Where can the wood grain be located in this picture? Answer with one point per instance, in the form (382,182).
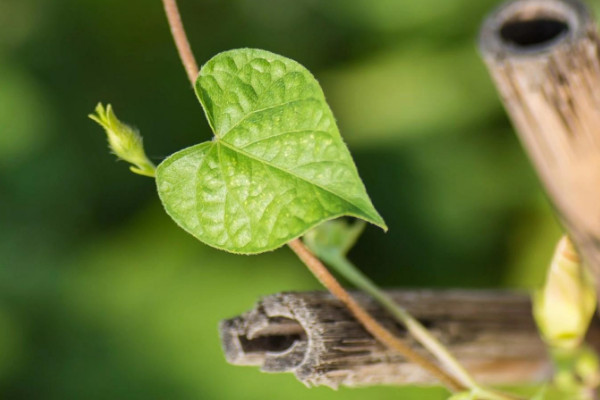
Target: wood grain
(313,336)
(544,58)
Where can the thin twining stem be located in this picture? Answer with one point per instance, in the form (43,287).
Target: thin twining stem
(369,323)
(181,40)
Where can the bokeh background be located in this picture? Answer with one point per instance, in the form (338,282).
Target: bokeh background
(102,296)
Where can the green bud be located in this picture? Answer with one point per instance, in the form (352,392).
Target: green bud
(124,141)
(564,308)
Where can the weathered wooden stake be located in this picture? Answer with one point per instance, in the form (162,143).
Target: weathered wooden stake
(312,335)
(544,57)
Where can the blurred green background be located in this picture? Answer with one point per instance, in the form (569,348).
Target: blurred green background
(102,296)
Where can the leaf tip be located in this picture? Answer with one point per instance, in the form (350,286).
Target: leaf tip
(378,221)
(383,226)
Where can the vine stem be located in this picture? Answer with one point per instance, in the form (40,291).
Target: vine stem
(181,41)
(310,260)
(369,323)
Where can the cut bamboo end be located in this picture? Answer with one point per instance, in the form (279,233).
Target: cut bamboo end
(529,29)
(543,57)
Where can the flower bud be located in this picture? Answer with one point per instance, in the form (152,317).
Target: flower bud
(564,308)
(124,141)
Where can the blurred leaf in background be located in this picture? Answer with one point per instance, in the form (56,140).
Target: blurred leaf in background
(102,296)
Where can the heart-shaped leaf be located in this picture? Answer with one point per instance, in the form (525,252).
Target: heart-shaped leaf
(277,165)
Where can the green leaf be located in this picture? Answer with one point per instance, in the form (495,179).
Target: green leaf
(333,238)
(277,165)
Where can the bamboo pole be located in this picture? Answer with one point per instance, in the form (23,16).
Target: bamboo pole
(543,57)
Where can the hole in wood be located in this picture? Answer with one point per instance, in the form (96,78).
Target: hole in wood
(278,337)
(533,32)
(268,344)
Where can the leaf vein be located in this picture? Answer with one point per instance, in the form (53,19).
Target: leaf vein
(245,117)
(282,134)
(228,192)
(253,158)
